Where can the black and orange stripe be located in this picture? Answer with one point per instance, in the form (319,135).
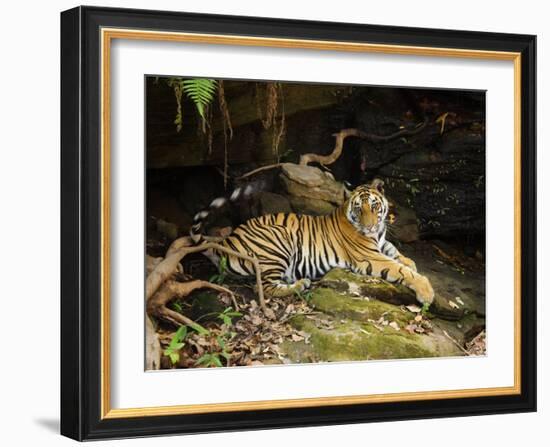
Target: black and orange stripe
(293,249)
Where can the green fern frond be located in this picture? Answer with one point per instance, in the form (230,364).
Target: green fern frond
(201,91)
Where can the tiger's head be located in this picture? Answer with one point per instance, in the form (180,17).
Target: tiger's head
(367,208)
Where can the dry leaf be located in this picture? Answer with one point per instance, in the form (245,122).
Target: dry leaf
(394,325)
(413,308)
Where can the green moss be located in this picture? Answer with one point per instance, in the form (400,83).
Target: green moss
(352,340)
(346,281)
(356,331)
(341,305)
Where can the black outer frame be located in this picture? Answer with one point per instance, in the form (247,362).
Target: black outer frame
(81,214)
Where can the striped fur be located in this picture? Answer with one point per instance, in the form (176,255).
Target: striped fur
(294,249)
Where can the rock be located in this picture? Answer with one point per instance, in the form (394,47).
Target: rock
(305,175)
(162,204)
(271,203)
(464,329)
(458,292)
(347,305)
(311,183)
(168,147)
(457,295)
(350,324)
(444,182)
(366,286)
(348,340)
(168,229)
(312,207)
(405,227)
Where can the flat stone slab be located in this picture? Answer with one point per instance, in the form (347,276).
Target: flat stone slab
(352,340)
(311,183)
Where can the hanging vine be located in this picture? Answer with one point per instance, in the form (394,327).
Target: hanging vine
(200,91)
(274,116)
(227,129)
(177,86)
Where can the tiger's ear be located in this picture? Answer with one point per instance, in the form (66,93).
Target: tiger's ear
(348,188)
(377,184)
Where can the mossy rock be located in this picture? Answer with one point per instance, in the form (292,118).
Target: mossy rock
(342,305)
(367,286)
(350,340)
(352,325)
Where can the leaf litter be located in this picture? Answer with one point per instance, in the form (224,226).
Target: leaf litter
(253,339)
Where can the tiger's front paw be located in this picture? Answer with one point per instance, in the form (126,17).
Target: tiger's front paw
(407,262)
(424,290)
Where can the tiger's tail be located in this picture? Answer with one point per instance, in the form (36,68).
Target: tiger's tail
(243,192)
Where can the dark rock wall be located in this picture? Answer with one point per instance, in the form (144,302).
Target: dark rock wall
(437,175)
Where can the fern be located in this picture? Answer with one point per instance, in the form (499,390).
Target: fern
(201,91)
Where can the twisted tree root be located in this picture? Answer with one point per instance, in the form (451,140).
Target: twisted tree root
(159,290)
(181,248)
(171,290)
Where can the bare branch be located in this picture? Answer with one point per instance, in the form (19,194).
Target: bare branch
(324,160)
(344,133)
(263,168)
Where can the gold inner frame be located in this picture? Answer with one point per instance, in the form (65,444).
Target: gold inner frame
(107,35)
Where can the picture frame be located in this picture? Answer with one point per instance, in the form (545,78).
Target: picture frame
(87,34)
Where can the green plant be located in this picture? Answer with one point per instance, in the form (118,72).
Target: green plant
(209,359)
(176,305)
(227,316)
(306,296)
(425,308)
(176,343)
(201,330)
(219,278)
(222,343)
(200,91)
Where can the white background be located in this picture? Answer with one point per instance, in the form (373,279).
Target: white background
(29,107)
(131,387)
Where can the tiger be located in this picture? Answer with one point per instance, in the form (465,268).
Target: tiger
(294,249)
